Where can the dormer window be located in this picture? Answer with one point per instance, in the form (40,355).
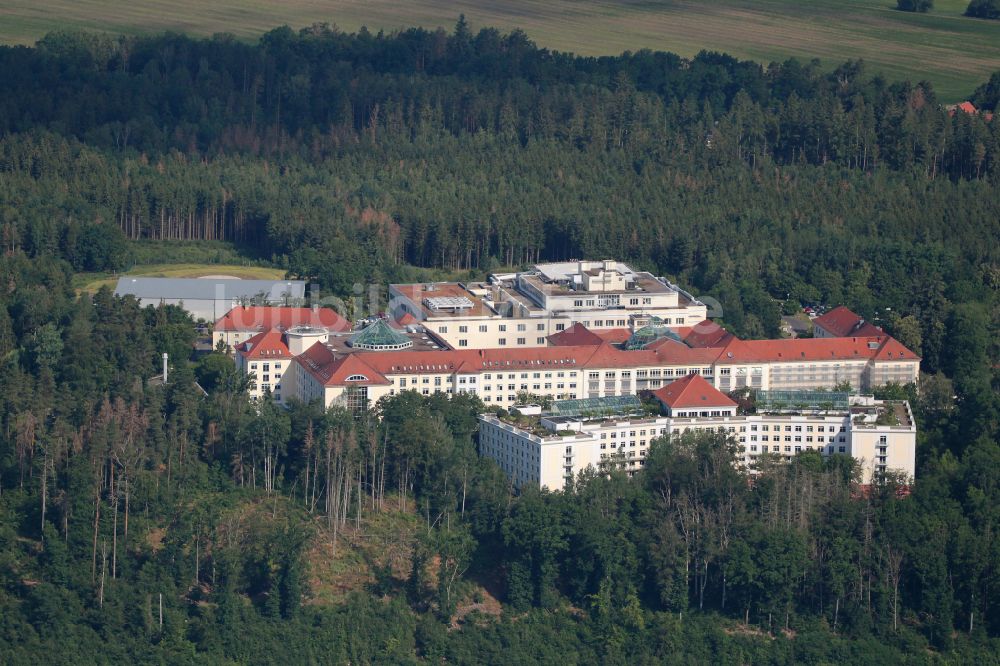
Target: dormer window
(357,378)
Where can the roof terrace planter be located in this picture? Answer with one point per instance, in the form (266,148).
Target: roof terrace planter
(379,336)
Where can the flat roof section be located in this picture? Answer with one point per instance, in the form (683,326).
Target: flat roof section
(208,288)
(565,270)
(422,341)
(644,283)
(442,293)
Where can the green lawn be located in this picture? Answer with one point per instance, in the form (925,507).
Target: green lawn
(954,52)
(91,282)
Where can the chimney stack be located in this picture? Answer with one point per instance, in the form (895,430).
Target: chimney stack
(165,357)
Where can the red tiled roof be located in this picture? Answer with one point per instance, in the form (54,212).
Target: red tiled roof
(892,349)
(705,334)
(968,107)
(842,323)
(577,334)
(580,335)
(813,349)
(269,344)
(406,319)
(692,391)
(670,351)
(838,322)
(615,336)
(261,318)
(334,369)
(476,360)
(867,329)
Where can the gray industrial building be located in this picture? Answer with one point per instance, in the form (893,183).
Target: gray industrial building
(209,298)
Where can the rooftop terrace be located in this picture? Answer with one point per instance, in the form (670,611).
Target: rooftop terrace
(444,300)
(640,283)
(341,342)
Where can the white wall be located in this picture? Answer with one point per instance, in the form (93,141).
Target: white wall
(759,435)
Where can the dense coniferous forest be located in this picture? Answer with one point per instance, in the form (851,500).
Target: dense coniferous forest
(143,522)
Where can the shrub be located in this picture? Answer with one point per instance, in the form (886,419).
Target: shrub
(987,9)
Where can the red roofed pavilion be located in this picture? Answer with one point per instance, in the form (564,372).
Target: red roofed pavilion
(693,395)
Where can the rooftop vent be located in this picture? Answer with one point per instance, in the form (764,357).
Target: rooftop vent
(448,303)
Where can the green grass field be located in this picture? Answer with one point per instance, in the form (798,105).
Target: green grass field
(955,53)
(91,282)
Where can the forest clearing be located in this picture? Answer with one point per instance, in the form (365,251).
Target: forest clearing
(92,282)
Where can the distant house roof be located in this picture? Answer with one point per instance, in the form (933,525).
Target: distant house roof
(208,288)
(264,317)
(970,109)
(842,323)
(692,391)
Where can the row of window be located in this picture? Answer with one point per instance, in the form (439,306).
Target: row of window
(590,302)
(521,328)
(621,445)
(484,328)
(632,433)
(798,449)
(266,367)
(788,438)
(711,412)
(513,398)
(524,375)
(534,387)
(798,428)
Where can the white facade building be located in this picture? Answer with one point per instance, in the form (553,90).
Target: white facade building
(268,360)
(519,310)
(497,376)
(557,449)
(328,368)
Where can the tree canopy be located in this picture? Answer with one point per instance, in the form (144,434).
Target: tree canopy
(183,523)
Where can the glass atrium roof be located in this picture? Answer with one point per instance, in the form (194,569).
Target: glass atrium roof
(802,401)
(654,331)
(617,405)
(379,336)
